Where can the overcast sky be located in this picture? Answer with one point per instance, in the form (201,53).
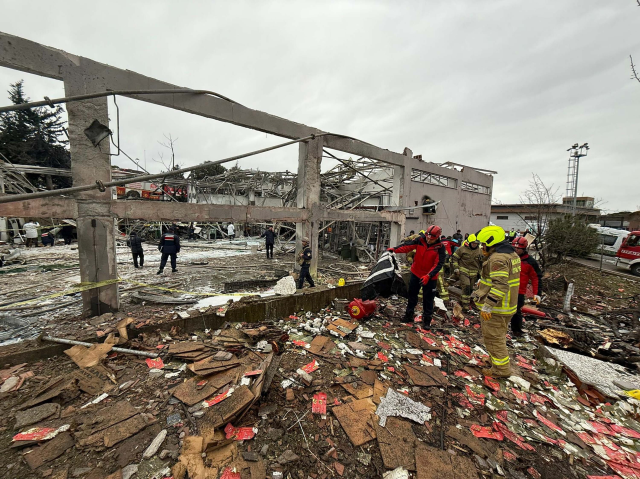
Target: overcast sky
(501,85)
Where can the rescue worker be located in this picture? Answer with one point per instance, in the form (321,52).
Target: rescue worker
(269,237)
(530,273)
(412,236)
(458,237)
(31,233)
(428,261)
(512,234)
(497,296)
(169,246)
(304,260)
(467,263)
(231,231)
(48,238)
(135,243)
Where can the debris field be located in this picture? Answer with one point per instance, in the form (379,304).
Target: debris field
(319,395)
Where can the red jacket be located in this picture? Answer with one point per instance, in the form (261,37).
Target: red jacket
(447,245)
(428,259)
(530,272)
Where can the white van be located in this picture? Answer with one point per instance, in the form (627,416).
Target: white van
(610,239)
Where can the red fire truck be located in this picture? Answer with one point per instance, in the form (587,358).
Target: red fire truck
(629,253)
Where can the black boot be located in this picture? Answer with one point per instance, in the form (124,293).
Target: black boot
(408,317)
(159,271)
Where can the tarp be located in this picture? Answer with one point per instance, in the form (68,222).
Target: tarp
(385,279)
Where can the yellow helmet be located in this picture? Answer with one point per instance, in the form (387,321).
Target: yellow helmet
(490,235)
(422,232)
(472,238)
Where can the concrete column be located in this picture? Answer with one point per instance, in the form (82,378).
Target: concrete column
(96,225)
(400,196)
(309,161)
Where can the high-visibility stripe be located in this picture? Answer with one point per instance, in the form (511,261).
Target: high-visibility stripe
(483,281)
(497,292)
(495,274)
(500,362)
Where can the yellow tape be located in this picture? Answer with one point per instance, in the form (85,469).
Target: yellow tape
(76,289)
(185,292)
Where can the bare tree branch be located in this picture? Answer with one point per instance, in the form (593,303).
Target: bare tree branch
(634,73)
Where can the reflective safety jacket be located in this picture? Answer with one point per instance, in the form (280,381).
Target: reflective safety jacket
(467,260)
(500,281)
(169,243)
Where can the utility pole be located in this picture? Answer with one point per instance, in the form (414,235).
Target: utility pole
(575,153)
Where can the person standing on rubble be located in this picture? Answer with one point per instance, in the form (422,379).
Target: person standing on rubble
(497,296)
(530,273)
(270,238)
(170,247)
(231,231)
(31,233)
(304,260)
(467,264)
(135,243)
(427,263)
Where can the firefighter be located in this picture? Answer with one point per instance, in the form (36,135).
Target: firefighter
(169,246)
(467,262)
(497,296)
(530,273)
(135,243)
(428,262)
(304,260)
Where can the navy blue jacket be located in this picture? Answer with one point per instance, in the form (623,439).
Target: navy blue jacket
(169,243)
(270,237)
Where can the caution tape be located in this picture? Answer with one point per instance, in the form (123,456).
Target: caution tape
(87,286)
(76,289)
(184,292)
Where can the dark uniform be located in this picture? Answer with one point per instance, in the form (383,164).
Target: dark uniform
(270,238)
(135,243)
(170,246)
(305,262)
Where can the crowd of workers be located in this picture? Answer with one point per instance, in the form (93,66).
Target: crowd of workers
(494,269)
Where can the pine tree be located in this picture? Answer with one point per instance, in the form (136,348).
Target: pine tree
(35,136)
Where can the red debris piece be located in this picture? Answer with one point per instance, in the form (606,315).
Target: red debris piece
(546,422)
(624,470)
(534,473)
(427,359)
(35,434)
(520,396)
(513,437)
(625,431)
(155,363)
(384,346)
(339,468)
(391,369)
(483,431)
(253,373)
(239,433)
(229,474)
(603,477)
(538,399)
(475,398)
(462,399)
(503,416)
(467,322)
(476,326)
(586,438)
(311,367)
(461,373)
(319,404)
(509,456)
(218,398)
(492,383)
(601,428)
(300,343)
(383,358)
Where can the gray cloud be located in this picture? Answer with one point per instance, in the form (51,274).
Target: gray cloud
(498,85)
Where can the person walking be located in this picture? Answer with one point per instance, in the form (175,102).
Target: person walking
(135,243)
(530,273)
(304,260)
(270,237)
(170,247)
(458,237)
(231,231)
(467,263)
(31,233)
(427,263)
(497,296)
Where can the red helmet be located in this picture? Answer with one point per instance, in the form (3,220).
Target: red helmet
(520,242)
(434,231)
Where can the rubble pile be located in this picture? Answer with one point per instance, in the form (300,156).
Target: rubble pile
(319,395)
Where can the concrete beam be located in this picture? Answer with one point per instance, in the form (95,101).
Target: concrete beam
(25,55)
(41,208)
(309,161)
